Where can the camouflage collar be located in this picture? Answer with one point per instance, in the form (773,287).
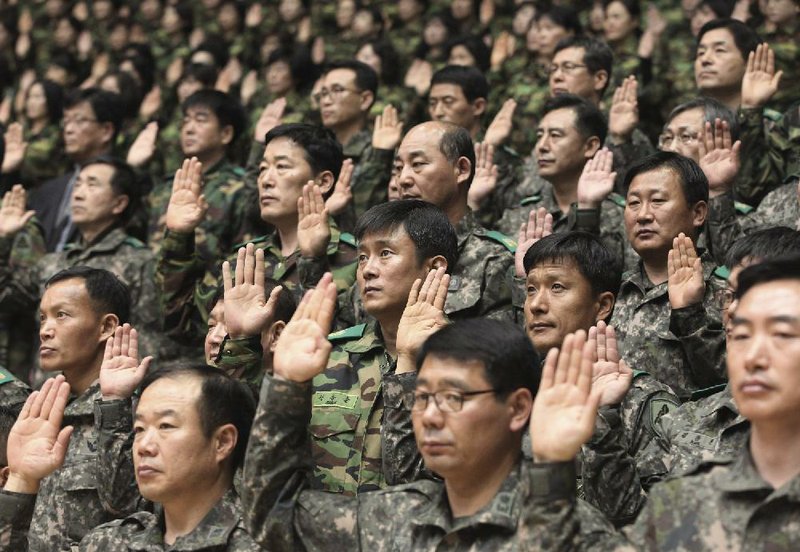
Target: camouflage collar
(743,477)
(370,339)
(212,533)
(638,277)
(107,243)
(466,227)
(503,511)
(718,403)
(356,146)
(83,404)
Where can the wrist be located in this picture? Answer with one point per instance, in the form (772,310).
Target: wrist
(619,138)
(18,483)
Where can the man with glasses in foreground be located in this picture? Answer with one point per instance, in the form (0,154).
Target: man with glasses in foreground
(470,408)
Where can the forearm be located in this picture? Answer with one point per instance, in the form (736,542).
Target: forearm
(702,339)
(16,512)
(763,156)
(19,283)
(402,461)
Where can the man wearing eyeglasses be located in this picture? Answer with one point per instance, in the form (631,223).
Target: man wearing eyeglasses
(470,409)
(91,120)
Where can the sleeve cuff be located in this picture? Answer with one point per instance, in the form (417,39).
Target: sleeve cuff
(721,208)
(687,320)
(286,399)
(588,220)
(178,244)
(114,414)
(553,481)
(397,386)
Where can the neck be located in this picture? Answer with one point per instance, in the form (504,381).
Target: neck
(288,236)
(389,334)
(731,98)
(80,381)
(182,514)
(656,271)
(38,125)
(565,191)
(775,448)
(475,129)
(89,155)
(210,159)
(345,132)
(456,212)
(467,494)
(89,233)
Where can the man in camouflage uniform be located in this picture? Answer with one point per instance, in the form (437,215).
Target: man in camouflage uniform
(436,163)
(579,196)
(102,198)
(708,427)
(295,155)
(212,121)
(347,94)
(673,332)
(498,507)
(81,308)
(199,488)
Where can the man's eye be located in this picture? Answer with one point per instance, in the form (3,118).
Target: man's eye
(531,290)
(557,287)
(138,429)
(386,252)
(164,425)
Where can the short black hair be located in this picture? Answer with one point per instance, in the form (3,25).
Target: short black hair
(124,181)
(475,46)
(633,7)
(589,120)
(597,55)
(391,66)
(693,180)
(766,244)
(784,268)
(563,16)
(745,38)
(592,258)
(130,93)
(106,106)
(509,359)
(223,400)
(712,110)
(456,143)
(202,73)
(226,108)
(299,61)
(721,8)
(470,79)
(107,293)
(322,151)
(216,46)
(54,96)
(426,225)
(366,77)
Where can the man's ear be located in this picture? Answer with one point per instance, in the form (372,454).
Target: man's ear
(4,471)
(108,133)
(699,214)
(591,147)
(479,106)
(108,325)
(605,306)
(225,439)
(119,204)
(600,81)
(462,169)
(325,181)
(273,333)
(436,262)
(227,134)
(519,404)
(367,99)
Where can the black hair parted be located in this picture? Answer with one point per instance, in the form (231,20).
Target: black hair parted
(476,47)
(124,181)
(366,77)
(426,225)
(509,359)
(54,96)
(692,178)
(589,120)
(766,244)
(106,106)
(470,79)
(202,73)
(783,268)
(712,110)
(107,293)
(563,16)
(226,108)
(586,251)
(223,400)
(597,55)
(456,143)
(745,38)
(322,151)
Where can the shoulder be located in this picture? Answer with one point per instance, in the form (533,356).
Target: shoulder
(117,532)
(493,236)
(616,199)
(133,243)
(348,239)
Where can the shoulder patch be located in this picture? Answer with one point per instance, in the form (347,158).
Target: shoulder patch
(618,199)
(772,115)
(239,171)
(348,238)
(133,242)
(348,333)
(722,272)
(502,239)
(639,373)
(254,241)
(6,376)
(536,198)
(661,403)
(707,392)
(742,208)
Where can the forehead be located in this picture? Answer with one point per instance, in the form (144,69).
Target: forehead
(691,118)
(72,291)
(771,299)
(176,393)
(561,268)
(83,108)
(447,89)
(659,180)
(438,372)
(718,36)
(563,118)
(201,110)
(422,139)
(396,236)
(284,147)
(573,54)
(98,171)
(343,77)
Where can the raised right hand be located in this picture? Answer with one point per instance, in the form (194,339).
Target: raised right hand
(13,216)
(187,204)
(121,372)
(539,225)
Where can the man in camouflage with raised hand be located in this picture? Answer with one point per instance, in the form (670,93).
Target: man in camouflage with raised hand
(300,161)
(104,195)
(471,406)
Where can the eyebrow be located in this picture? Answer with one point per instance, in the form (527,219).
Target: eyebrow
(159,413)
(447,382)
(738,320)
